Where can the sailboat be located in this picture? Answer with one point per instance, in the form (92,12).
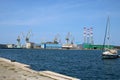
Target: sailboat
(108,52)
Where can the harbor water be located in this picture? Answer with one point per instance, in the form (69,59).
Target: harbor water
(82,64)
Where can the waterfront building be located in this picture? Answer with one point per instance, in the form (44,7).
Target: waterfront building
(11,45)
(3,46)
(51,45)
(99,47)
(29,45)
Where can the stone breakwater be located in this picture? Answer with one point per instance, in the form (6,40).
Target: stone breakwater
(11,70)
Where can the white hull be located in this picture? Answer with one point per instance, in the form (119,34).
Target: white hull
(111,54)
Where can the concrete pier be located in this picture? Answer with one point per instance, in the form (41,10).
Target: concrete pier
(57,76)
(11,70)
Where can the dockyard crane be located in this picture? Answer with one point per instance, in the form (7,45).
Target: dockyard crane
(56,39)
(18,39)
(68,37)
(72,40)
(27,37)
(18,42)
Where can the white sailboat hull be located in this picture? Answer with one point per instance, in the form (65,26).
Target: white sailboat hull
(110,55)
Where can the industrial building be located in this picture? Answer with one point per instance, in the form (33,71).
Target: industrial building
(3,46)
(29,45)
(51,46)
(99,47)
(11,45)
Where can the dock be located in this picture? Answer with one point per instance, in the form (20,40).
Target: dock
(12,70)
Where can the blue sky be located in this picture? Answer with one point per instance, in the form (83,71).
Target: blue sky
(47,18)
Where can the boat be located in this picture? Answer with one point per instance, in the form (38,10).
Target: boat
(108,52)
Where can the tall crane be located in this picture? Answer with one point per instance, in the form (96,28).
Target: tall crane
(85,34)
(68,37)
(18,42)
(88,36)
(72,40)
(56,39)
(91,36)
(27,37)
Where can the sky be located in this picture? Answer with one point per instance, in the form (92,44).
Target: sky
(48,18)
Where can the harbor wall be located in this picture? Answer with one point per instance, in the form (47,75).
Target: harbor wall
(12,70)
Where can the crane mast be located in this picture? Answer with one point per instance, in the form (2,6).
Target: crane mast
(18,42)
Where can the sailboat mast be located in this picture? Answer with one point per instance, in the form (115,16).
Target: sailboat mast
(107,33)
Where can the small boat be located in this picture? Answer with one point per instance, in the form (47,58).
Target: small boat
(109,53)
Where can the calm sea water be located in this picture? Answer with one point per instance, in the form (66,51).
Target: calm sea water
(83,64)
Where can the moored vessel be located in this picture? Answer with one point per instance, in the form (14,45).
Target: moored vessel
(109,53)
